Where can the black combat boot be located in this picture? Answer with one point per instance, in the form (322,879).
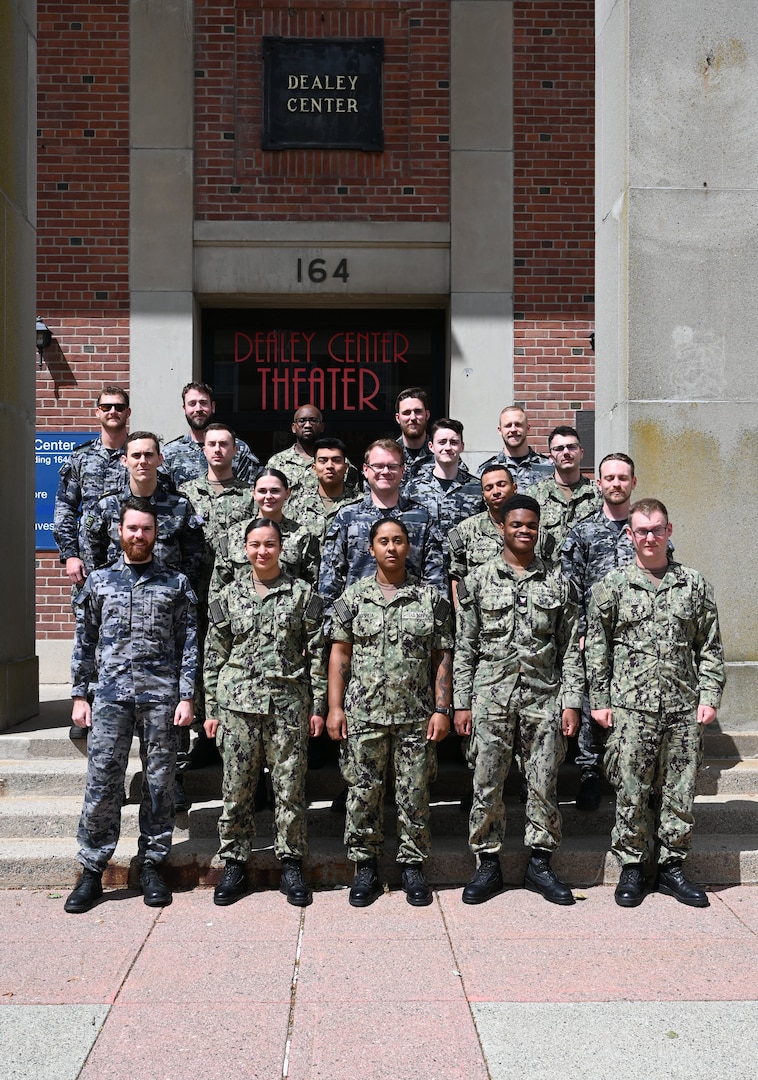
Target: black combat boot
(366,887)
(541,878)
(292,884)
(87,890)
(415,886)
(155,891)
(486,882)
(631,887)
(233,883)
(672,882)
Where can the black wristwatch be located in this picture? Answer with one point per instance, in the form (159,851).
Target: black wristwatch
(446,710)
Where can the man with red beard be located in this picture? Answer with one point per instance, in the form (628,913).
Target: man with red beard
(138,619)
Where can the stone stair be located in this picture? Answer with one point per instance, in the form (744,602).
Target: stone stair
(42,776)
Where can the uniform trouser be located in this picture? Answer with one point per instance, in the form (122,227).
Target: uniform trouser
(536,721)
(363,759)
(662,752)
(245,740)
(591,742)
(114,724)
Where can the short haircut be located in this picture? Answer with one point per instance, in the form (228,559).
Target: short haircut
(264,523)
(450,425)
(497,466)
(219,425)
(389,445)
(276,473)
(113,391)
(387,521)
(615,457)
(648,507)
(412,392)
(519,502)
(134,435)
(201,387)
(330,442)
(512,408)
(565,431)
(141,505)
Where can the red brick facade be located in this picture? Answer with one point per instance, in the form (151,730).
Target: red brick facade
(83,187)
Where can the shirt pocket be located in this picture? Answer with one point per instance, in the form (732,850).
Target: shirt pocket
(367,625)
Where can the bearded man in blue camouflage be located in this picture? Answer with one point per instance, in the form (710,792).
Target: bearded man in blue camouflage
(136,638)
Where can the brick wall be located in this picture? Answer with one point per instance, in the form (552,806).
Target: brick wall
(554,92)
(409,181)
(83,232)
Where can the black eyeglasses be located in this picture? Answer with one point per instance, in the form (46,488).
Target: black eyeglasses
(108,406)
(303,420)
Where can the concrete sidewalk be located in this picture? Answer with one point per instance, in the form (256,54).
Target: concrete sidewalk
(515,988)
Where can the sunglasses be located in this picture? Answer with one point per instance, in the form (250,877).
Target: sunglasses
(108,406)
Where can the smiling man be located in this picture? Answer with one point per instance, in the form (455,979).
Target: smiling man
(517,676)
(655,666)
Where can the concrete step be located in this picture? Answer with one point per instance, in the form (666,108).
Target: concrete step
(58,816)
(66,775)
(716,859)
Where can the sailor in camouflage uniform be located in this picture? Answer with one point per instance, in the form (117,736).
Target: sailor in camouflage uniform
(346,557)
(656,673)
(598,544)
(389,698)
(525,465)
(135,635)
(446,487)
(296,462)
(179,544)
(479,538)
(316,508)
(183,458)
(265,687)
(300,554)
(93,468)
(412,415)
(517,668)
(567,497)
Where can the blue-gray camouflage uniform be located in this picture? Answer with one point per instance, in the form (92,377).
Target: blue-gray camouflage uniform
(447,503)
(300,475)
(414,461)
(91,470)
(653,655)
(346,557)
(558,516)
(299,555)
(135,635)
(526,471)
(388,703)
(179,543)
(516,666)
(184,459)
(265,675)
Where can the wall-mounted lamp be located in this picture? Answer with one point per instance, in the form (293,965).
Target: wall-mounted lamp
(44,339)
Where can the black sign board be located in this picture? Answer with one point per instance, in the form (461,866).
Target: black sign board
(322,93)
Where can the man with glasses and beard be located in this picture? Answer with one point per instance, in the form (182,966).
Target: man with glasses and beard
(138,618)
(566,497)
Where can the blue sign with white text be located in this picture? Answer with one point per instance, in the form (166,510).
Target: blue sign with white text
(51,450)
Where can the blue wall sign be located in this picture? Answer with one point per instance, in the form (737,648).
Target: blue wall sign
(51,450)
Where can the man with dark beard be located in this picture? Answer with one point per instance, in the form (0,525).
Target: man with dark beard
(138,619)
(183,458)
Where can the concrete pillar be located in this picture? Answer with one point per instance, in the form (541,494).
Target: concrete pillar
(677,263)
(18,283)
(161,212)
(481,241)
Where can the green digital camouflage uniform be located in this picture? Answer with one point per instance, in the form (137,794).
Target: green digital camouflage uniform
(473,541)
(653,655)
(308,509)
(300,475)
(526,471)
(388,703)
(217,513)
(300,555)
(516,666)
(557,516)
(265,675)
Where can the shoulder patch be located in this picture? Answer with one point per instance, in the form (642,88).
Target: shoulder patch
(342,612)
(216,613)
(441,608)
(315,607)
(462,591)
(223,546)
(454,539)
